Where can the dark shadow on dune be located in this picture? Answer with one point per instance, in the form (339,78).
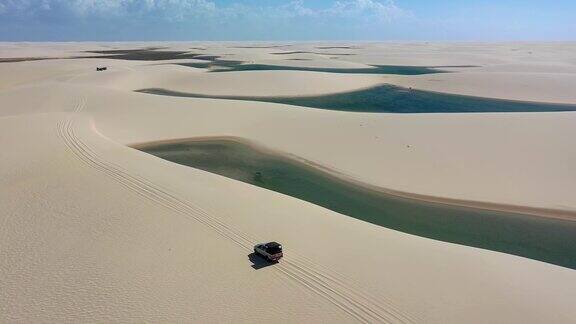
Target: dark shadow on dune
(142,55)
(146,54)
(211,63)
(337,47)
(391,99)
(375,69)
(25,59)
(259,262)
(263,46)
(210,58)
(198,65)
(124,51)
(539,238)
(293,52)
(319,53)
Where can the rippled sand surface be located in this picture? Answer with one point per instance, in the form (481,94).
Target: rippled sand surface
(95,230)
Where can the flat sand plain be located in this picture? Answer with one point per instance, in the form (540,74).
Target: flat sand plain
(94,230)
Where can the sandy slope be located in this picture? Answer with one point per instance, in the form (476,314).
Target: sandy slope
(92,230)
(247,83)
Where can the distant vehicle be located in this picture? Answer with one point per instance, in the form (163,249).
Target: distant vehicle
(271,251)
(103,68)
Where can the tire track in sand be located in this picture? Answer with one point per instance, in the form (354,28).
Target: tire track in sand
(333,287)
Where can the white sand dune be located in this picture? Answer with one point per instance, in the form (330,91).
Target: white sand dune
(501,149)
(93,230)
(245,83)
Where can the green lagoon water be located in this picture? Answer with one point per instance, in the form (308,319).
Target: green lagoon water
(390,99)
(538,238)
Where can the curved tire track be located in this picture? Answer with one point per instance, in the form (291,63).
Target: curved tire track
(331,286)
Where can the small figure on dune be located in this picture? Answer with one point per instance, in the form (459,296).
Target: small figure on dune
(258,177)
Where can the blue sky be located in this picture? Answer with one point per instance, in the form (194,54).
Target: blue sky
(450,20)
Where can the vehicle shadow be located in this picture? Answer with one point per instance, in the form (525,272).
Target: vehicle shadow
(259,262)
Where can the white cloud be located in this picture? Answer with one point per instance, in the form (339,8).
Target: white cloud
(381,10)
(181,10)
(384,10)
(89,7)
(297,8)
(14,6)
(84,8)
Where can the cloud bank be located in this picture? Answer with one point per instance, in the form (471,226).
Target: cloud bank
(191,19)
(285,20)
(179,10)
